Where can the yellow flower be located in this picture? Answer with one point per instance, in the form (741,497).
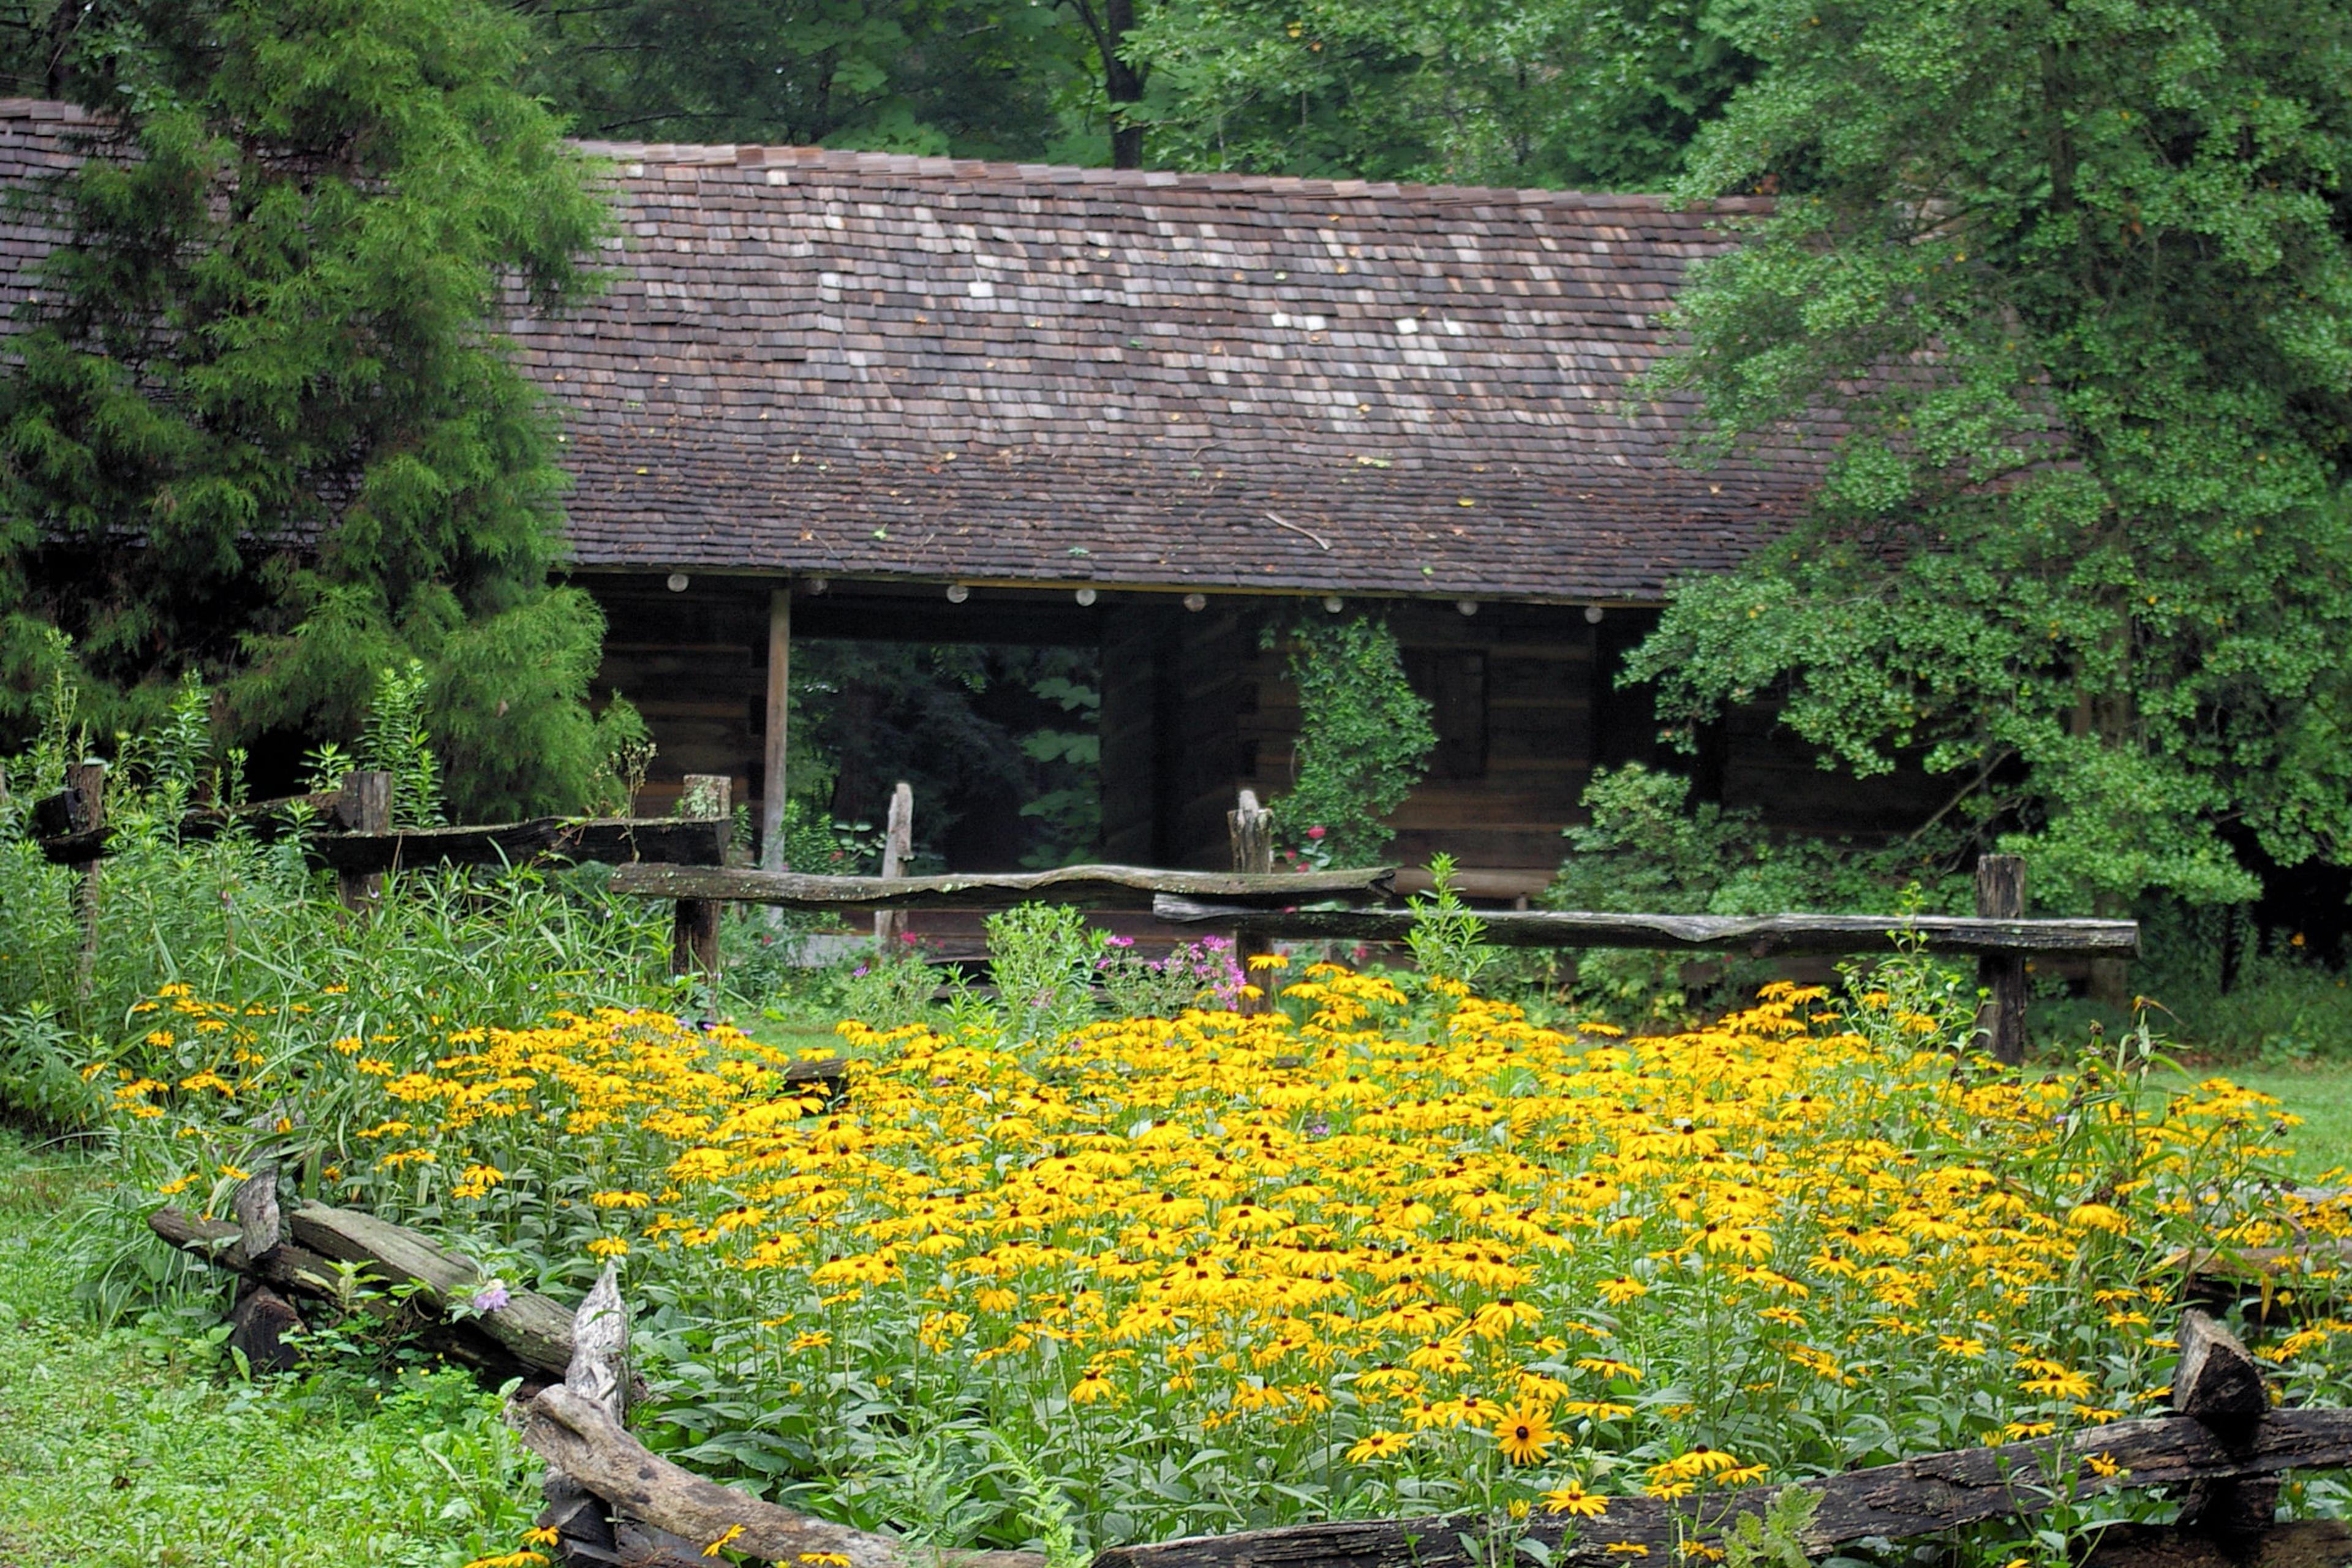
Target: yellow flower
(1524,1431)
(1377,1446)
(825,1559)
(1572,1499)
(716,1547)
(543,1535)
(609,1247)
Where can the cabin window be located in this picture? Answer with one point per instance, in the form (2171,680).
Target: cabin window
(1454,683)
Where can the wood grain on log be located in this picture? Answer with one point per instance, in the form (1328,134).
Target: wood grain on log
(1124,886)
(1760,936)
(259,1225)
(620,840)
(533,1329)
(222,1244)
(2305,1543)
(1915,1497)
(2217,1380)
(259,1327)
(600,1345)
(576,1435)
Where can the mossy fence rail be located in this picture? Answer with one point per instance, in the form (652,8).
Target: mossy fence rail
(611,1501)
(1257,904)
(683,860)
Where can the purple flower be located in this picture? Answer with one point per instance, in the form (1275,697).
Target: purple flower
(1122,942)
(491,1298)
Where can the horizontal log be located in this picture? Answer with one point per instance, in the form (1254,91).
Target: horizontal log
(1915,1496)
(530,1327)
(265,819)
(1759,936)
(691,841)
(222,1244)
(576,1435)
(1116,885)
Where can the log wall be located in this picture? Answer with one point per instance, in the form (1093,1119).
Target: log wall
(1194,709)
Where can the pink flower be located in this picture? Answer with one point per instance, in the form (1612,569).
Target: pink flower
(492,1298)
(1316,832)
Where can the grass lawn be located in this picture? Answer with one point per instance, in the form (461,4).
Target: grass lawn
(122,1446)
(2322,1096)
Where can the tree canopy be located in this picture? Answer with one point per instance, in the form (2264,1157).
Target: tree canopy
(263,428)
(2073,283)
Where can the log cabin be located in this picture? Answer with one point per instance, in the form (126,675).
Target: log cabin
(842,394)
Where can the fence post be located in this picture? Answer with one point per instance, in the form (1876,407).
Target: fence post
(897,848)
(364,806)
(694,927)
(2001,896)
(1250,829)
(86,813)
(774,753)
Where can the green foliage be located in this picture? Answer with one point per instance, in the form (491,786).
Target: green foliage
(1364,738)
(997,743)
(1042,957)
(966,78)
(258,430)
(2091,557)
(1777,1538)
(122,1446)
(1448,941)
(1648,848)
(1558,93)
(393,740)
(1070,808)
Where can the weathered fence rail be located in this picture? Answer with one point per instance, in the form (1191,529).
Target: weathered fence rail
(342,844)
(1126,887)
(2224,1446)
(350,832)
(1759,936)
(1256,904)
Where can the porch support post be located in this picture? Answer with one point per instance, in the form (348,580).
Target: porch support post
(779,676)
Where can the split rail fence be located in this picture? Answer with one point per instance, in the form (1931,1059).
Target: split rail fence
(683,860)
(1259,905)
(2224,1450)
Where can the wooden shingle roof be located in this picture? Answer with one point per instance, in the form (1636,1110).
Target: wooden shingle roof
(870,365)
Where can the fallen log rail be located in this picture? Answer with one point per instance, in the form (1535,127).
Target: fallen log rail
(1129,887)
(610,1499)
(689,841)
(2226,1445)
(1759,936)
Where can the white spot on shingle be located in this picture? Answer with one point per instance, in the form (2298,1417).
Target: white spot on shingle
(981,288)
(780,176)
(1407,325)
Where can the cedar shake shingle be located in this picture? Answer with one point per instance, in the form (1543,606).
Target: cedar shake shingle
(871,366)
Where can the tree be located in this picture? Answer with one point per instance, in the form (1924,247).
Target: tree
(2063,293)
(264,428)
(1573,93)
(983,79)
